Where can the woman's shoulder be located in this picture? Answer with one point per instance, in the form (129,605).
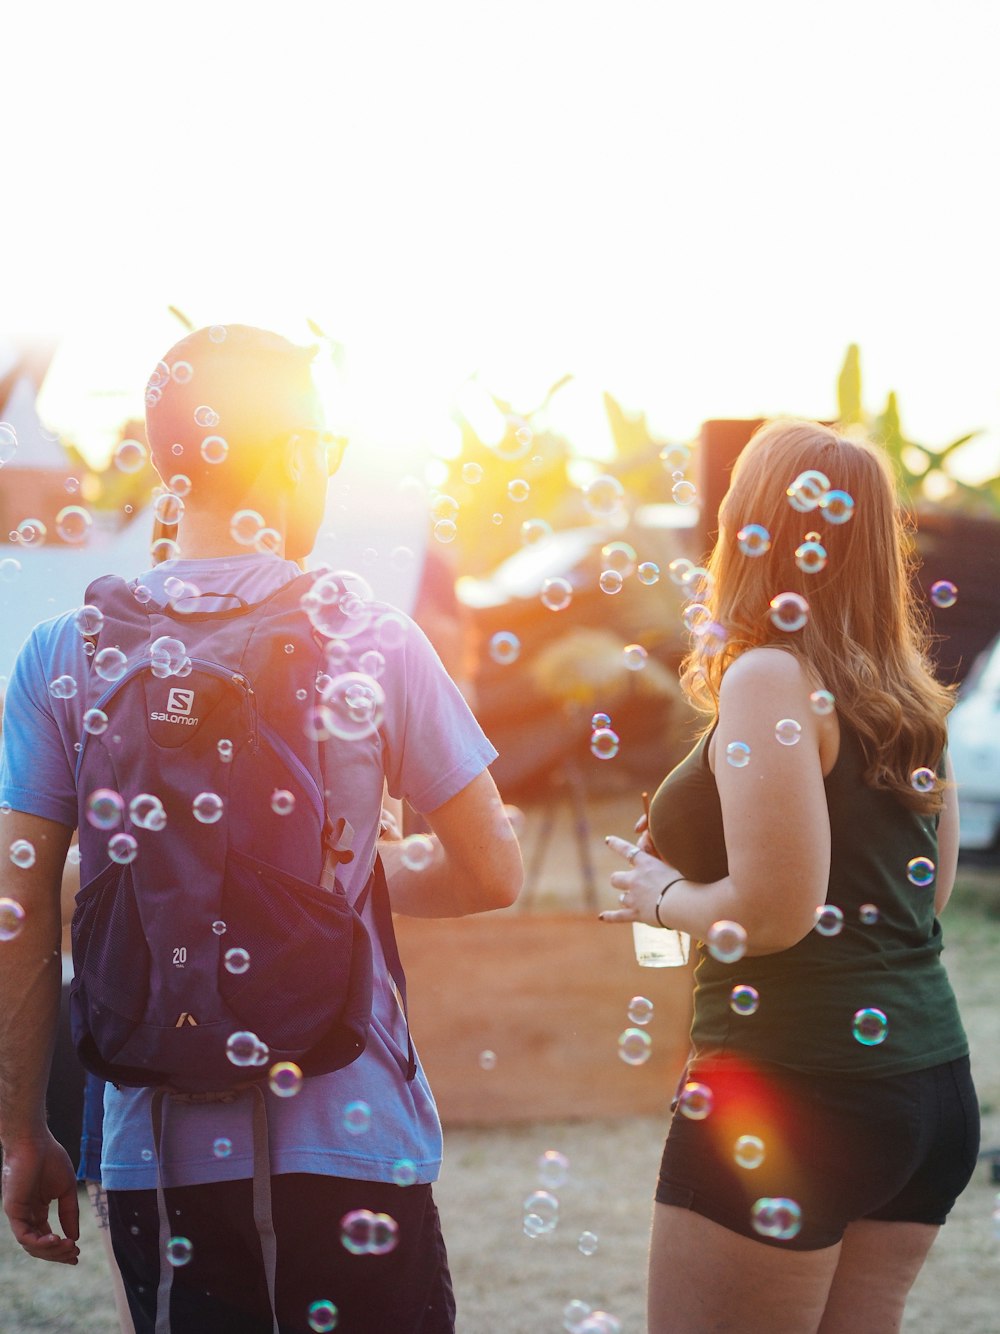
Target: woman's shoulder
(764,668)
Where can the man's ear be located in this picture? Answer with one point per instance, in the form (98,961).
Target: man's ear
(292,462)
(336,444)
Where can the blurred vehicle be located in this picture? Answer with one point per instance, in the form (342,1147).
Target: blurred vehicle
(974,742)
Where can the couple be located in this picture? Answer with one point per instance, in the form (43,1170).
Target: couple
(761,844)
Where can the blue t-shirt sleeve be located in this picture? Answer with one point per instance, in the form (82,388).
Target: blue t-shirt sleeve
(438,747)
(35,771)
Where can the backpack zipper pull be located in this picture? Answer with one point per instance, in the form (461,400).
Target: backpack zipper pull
(250,700)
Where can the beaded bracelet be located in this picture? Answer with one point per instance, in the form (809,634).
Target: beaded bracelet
(663,891)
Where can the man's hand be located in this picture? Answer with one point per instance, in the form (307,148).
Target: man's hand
(36,1172)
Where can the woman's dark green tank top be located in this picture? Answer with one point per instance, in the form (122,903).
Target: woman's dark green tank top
(810,994)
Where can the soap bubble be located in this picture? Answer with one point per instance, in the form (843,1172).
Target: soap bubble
(95,721)
(600,720)
(445,530)
(179,1251)
(245,1049)
(749,1152)
(11,919)
(754,540)
(357,1117)
(214,449)
(787,731)
(695,1100)
(518,490)
(726,941)
(675,456)
(868,914)
(829,920)
(505,648)
(142,594)
(574,1314)
(635,1046)
(284,1079)
(206,416)
(244,527)
(944,594)
(634,657)
(88,619)
(603,496)
(217,333)
(417,852)
(810,557)
(640,1010)
(167,656)
(105,809)
(683,492)
(807,491)
(744,1000)
(168,508)
(353,706)
(225,749)
(323,1317)
(444,507)
(487,1060)
(648,572)
(557,593)
(789,612)
(870,1027)
(541,1213)
(472,473)
(31,532)
(146,810)
(920,871)
(180,485)
(73,524)
(553,1169)
(8,443)
(837,506)
(22,853)
(282,801)
(129,456)
(404,1172)
(923,780)
(63,687)
(738,754)
(534,530)
(618,556)
(604,743)
(679,571)
(219,928)
(822,702)
(365,1233)
(697,618)
(236,961)
(776,1217)
(9,569)
(122,848)
(207,807)
(222,1147)
(268,542)
(588,1243)
(610,582)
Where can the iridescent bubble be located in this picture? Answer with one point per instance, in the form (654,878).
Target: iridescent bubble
(776,1217)
(504,648)
(384,1234)
(541,1213)
(944,594)
(244,527)
(282,801)
(237,961)
(404,1172)
(159,376)
(557,593)
(640,1010)
(588,1243)
(445,530)
(754,540)
(353,705)
(217,333)
(179,1251)
(31,532)
(11,919)
(604,743)
(789,612)
(129,456)
(923,780)
(553,1169)
(245,1049)
(696,617)
(356,1231)
(675,456)
(634,657)
(487,1060)
(635,1046)
(8,443)
(222,1147)
(269,542)
(167,656)
(787,731)
(648,573)
(726,941)
(9,569)
(357,1117)
(618,556)
(180,485)
(214,449)
(444,507)
(323,1317)
(142,594)
(147,811)
(679,571)
(600,720)
(73,524)
(822,702)
(225,749)
(738,754)
(534,531)
(206,416)
(472,473)
(683,492)
(207,807)
(695,1100)
(122,848)
(574,1314)
(868,914)
(920,871)
(837,507)
(105,809)
(63,687)
(744,1000)
(829,920)
(284,1079)
(870,1027)
(810,557)
(219,928)
(600,1322)
(807,491)
(610,582)
(22,853)
(417,852)
(164,548)
(603,496)
(748,1152)
(88,619)
(518,490)
(95,721)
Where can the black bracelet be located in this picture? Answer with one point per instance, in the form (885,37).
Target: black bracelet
(663,891)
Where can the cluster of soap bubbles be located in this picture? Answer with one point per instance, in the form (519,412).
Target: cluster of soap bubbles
(246,1049)
(363,1232)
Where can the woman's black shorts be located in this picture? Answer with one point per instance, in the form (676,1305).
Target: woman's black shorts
(898,1149)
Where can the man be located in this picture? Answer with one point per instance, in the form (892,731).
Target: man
(235,427)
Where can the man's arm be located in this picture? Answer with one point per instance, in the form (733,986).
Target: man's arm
(36,1169)
(476,864)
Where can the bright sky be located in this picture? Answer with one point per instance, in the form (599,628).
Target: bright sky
(695,206)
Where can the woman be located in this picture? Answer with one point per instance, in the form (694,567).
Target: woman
(827,1121)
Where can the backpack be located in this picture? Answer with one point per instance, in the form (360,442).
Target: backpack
(211,937)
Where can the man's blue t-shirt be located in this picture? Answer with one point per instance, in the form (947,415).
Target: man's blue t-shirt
(428,748)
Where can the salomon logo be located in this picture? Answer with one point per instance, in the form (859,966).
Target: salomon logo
(180,701)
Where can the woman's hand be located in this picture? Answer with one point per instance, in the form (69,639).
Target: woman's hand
(640,887)
(644,842)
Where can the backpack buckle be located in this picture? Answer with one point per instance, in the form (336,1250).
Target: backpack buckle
(337,839)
